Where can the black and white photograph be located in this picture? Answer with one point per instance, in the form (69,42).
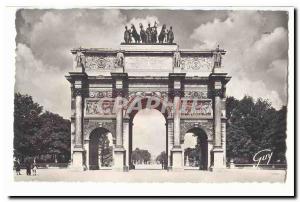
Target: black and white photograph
(169,96)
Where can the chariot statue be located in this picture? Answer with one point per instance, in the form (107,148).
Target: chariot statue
(150,35)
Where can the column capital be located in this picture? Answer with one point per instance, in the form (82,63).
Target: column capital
(218,92)
(177,93)
(118,92)
(218,83)
(176,84)
(78,92)
(119,84)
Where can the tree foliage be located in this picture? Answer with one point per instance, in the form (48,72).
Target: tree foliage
(105,151)
(253,126)
(140,156)
(162,157)
(38,134)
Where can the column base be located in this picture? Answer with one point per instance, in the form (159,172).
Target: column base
(77,163)
(219,161)
(176,169)
(177,163)
(119,160)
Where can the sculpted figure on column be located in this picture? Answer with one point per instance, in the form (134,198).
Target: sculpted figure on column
(80,59)
(217,57)
(177,58)
(120,59)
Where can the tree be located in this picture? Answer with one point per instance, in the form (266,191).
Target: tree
(26,125)
(37,134)
(140,156)
(162,157)
(105,150)
(53,137)
(253,126)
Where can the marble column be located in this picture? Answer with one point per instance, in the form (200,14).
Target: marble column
(119,151)
(209,151)
(218,151)
(119,125)
(217,121)
(126,139)
(78,119)
(177,86)
(78,151)
(177,158)
(119,85)
(177,122)
(223,132)
(170,141)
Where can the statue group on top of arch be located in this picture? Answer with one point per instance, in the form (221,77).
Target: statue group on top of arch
(148,36)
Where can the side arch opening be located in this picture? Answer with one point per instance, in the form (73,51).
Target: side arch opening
(196,149)
(100,149)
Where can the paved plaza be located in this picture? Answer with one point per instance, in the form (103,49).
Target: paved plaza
(194,176)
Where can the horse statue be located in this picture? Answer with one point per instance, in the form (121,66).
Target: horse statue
(135,35)
(143,34)
(162,34)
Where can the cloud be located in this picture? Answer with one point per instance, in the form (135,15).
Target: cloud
(46,38)
(255,56)
(239,87)
(45,83)
(55,33)
(44,58)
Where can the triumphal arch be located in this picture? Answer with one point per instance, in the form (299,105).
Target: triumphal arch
(109,86)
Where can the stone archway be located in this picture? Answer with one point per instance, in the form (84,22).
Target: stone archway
(199,155)
(194,81)
(162,109)
(100,152)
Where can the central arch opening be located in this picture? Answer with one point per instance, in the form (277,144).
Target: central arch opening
(148,140)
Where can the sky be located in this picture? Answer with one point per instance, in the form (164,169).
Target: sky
(256,43)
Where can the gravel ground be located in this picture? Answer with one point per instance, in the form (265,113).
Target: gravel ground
(194,176)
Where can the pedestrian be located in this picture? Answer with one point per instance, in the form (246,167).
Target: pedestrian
(28,168)
(18,167)
(34,168)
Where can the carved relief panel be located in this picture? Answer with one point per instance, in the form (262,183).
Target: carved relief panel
(196,107)
(203,64)
(95,62)
(99,107)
